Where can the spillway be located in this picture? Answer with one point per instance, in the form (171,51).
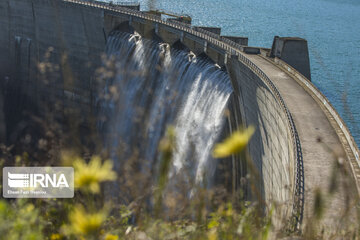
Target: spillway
(154,86)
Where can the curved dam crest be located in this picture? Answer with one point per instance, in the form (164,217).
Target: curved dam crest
(265,89)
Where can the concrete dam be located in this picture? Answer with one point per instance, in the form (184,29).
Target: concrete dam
(267,88)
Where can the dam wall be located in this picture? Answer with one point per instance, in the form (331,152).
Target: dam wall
(271,147)
(76,32)
(73,35)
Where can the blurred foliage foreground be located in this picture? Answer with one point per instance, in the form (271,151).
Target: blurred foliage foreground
(90,215)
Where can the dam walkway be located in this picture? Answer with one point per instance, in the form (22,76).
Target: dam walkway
(321,146)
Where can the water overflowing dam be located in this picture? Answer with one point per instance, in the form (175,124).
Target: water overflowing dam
(155,86)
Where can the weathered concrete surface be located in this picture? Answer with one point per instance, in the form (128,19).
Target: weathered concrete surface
(312,124)
(240,40)
(270,148)
(29,30)
(294,51)
(215,30)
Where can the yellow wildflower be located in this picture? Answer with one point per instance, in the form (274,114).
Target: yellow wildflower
(84,223)
(55,236)
(233,144)
(88,176)
(111,237)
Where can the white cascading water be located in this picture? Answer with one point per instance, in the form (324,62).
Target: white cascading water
(153,87)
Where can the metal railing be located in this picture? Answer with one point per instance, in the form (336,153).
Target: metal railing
(299,189)
(233,48)
(125,3)
(331,114)
(115,3)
